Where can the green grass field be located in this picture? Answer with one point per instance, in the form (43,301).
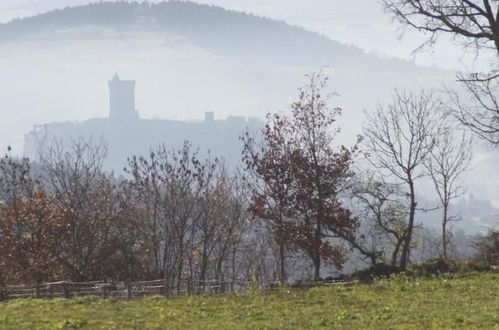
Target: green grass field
(401,303)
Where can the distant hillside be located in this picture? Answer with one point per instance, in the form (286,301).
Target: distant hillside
(214,28)
(187,58)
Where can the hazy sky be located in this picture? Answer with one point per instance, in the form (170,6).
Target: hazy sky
(361,22)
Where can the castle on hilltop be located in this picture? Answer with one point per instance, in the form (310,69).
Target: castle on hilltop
(127,134)
(122,99)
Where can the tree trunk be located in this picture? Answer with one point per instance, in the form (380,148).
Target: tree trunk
(407,244)
(495,31)
(396,252)
(317,252)
(317,267)
(282,265)
(444,232)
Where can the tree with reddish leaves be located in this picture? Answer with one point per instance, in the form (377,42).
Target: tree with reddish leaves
(300,176)
(30,230)
(269,168)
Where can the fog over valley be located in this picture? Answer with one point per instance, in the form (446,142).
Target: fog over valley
(188,59)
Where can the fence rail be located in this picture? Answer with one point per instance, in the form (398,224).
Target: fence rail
(121,290)
(131,290)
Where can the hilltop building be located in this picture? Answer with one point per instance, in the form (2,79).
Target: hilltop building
(122,99)
(127,134)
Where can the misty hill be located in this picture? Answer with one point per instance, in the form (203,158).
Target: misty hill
(189,58)
(214,28)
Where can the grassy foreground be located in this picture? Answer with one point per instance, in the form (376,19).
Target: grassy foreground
(402,303)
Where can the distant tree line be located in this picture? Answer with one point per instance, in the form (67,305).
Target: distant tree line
(300,202)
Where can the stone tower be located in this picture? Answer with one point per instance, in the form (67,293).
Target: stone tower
(122,100)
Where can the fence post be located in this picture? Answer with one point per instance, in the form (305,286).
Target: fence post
(2,294)
(167,288)
(36,291)
(104,290)
(50,290)
(67,294)
(129,294)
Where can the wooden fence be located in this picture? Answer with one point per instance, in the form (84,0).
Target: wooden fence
(121,290)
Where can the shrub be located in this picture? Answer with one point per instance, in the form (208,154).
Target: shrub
(432,267)
(377,270)
(487,247)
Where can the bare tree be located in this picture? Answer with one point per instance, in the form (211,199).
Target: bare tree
(131,235)
(472,22)
(475,25)
(449,158)
(480,112)
(194,215)
(170,184)
(219,228)
(73,172)
(399,138)
(384,211)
